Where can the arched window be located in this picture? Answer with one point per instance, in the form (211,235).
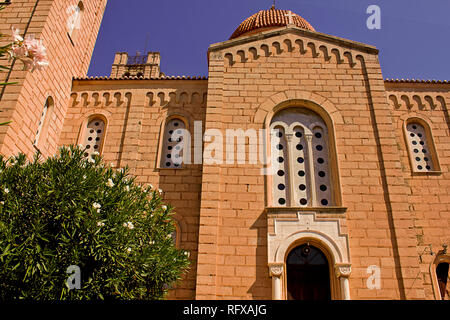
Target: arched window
(75,20)
(174,142)
(94,136)
(300,159)
(42,130)
(442,277)
(420,146)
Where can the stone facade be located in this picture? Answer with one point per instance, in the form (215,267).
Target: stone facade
(384,213)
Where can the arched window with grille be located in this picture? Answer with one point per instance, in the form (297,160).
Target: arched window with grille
(94,136)
(422,153)
(42,131)
(175,141)
(301,166)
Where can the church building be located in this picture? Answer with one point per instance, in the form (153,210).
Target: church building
(340,188)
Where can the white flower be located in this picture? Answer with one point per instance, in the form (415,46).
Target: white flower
(84,177)
(160,191)
(187,253)
(128,225)
(127,188)
(164,208)
(152,242)
(96,205)
(110,183)
(129,250)
(95,153)
(91,160)
(169,236)
(16,35)
(2,202)
(6,190)
(100,224)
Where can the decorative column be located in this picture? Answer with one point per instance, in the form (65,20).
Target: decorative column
(343,272)
(290,154)
(312,178)
(276,272)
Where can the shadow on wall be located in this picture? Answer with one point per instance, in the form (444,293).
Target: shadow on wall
(261,289)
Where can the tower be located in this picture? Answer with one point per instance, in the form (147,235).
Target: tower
(36,105)
(147,66)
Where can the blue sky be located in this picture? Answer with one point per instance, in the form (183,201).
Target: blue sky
(414,39)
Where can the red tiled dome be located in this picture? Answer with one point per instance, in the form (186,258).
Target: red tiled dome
(267,19)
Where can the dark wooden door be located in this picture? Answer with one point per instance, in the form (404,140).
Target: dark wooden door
(308,274)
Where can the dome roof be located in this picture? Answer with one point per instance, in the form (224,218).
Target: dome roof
(269,19)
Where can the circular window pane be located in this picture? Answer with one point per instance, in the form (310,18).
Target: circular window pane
(301,173)
(318,135)
(280,173)
(281,201)
(303,201)
(281,187)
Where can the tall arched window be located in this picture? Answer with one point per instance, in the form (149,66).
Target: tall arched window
(94,136)
(75,20)
(174,142)
(44,121)
(300,159)
(420,146)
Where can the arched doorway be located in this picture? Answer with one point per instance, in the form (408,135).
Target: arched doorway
(308,274)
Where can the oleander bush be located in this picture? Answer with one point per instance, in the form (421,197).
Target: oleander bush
(66,211)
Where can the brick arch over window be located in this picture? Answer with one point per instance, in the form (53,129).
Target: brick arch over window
(420,145)
(93,133)
(300,144)
(440,276)
(305,171)
(42,131)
